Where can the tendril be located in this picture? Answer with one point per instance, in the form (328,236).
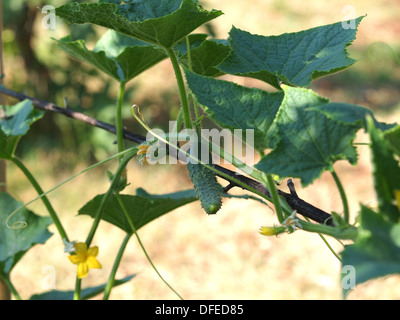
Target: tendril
(17,225)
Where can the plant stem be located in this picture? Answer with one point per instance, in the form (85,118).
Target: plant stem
(10,286)
(60,184)
(117,261)
(45,200)
(195,107)
(118,120)
(330,247)
(77,292)
(179,120)
(121,147)
(327,244)
(141,244)
(181,87)
(342,195)
(188,53)
(338,233)
(5,293)
(115,180)
(275,198)
(252,172)
(100,209)
(208,166)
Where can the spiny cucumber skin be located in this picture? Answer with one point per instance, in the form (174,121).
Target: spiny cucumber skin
(207,187)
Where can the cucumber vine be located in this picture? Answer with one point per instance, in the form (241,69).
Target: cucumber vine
(303,133)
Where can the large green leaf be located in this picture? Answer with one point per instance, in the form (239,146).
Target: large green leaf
(206,57)
(86,293)
(351,114)
(15,124)
(142,208)
(7,145)
(236,107)
(195,41)
(376,251)
(159,22)
(393,137)
(292,58)
(309,141)
(14,243)
(386,170)
(119,56)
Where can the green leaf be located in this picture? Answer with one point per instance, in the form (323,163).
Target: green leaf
(351,114)
(236,107)
(386,171)
(392,136)
(310,142)
(7,145)
(142,208)
(15,243)
(376,251)
(117,55)
(195,41)
(19,118)
(159,22)
(85,294)
(15,124)
(293,58)
(206,57)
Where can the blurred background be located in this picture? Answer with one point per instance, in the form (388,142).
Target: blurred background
(202,257)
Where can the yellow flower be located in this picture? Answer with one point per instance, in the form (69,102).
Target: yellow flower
(271,231)
(85,259)
(142,154)
(142,148)
(292,222)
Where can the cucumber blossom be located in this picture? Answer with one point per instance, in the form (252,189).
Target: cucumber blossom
(207,187)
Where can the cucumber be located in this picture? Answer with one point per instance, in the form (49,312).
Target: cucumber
(207,187)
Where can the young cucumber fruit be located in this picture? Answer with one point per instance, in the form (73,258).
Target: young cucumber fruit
(207,187)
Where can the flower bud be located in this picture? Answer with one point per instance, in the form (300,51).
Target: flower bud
(271,231)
